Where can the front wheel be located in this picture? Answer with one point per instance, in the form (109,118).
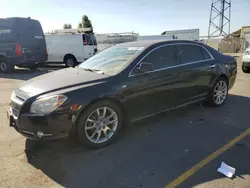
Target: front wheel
(99,124)
(218,93)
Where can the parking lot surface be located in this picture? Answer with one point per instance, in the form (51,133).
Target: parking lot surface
(150,154)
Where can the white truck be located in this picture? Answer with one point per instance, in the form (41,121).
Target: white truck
(186,34)
(70,48)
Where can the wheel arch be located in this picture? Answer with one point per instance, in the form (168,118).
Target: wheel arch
(69,55)
(222,75)
(111,99)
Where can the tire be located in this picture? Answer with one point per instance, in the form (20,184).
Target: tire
(246,69)
(220,88)
(89,128)
(6,67)
(70,61)
(33,68)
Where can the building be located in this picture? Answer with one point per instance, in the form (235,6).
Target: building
(185,34)
(245,37)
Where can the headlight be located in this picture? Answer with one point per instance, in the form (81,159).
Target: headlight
(47,104)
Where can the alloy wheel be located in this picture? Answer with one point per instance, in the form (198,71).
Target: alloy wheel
(220,92)
(101,125)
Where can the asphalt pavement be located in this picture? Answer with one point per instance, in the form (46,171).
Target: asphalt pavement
(149,154)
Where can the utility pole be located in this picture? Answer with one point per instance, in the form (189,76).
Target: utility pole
(219,21)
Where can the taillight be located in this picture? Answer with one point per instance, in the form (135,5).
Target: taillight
(84,42)
(18,50)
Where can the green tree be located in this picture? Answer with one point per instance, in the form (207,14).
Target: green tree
(86,23)
(80,25)
(67,26)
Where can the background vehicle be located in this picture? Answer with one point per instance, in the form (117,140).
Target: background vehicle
(246,61)
(70,48)
(22,43)
(124,83)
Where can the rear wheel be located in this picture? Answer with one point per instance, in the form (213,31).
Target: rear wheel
(70,61)
(99,124)
(218,93)
(5,67)
(246,69)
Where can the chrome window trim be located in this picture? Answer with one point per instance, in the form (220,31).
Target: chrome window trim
(169,67)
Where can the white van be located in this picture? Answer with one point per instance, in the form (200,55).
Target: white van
(70,48)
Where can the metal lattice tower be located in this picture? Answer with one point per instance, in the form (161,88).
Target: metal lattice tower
(220,15)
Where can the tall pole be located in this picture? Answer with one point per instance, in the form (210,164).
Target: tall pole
(219,20)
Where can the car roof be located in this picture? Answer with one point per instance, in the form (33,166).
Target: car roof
(147,43)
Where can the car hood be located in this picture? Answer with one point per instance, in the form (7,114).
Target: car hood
(61,79)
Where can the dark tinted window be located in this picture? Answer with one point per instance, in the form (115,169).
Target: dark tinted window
(94,40)
(189,53)
(162,57)
(89,40)
(205,54)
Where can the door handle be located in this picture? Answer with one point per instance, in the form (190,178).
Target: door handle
(212,66)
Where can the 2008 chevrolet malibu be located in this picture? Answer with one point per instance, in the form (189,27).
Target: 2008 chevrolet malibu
(118,86)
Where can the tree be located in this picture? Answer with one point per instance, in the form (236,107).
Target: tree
(80,25)
(86,23)
(67,26)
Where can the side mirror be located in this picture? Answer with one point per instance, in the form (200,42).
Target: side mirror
(145,67)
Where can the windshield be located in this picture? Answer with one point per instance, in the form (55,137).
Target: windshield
(112,60)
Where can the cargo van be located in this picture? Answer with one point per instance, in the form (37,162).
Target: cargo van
(22,43)
(70,48)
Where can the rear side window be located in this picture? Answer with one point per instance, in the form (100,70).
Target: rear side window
(206,56)
(162,57)
(89,40)
(94,40)
(189,53)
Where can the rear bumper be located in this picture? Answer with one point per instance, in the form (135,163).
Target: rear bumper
(46,127)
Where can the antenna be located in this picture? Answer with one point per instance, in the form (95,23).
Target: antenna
(220,15)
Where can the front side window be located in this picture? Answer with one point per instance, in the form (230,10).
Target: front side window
(189,53)
(160,58)
(112,60)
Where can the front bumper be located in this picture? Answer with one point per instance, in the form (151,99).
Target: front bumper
(41,127)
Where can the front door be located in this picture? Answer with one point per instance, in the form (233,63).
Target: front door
(152,92)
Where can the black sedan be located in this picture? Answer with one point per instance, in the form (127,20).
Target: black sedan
(120,85)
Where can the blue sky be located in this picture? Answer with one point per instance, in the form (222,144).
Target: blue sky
(141,16)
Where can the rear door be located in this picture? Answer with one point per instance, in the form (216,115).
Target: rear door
(88,46)
(196,68)
(32,40)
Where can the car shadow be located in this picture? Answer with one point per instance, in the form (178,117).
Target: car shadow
(26,74)
(150,153)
